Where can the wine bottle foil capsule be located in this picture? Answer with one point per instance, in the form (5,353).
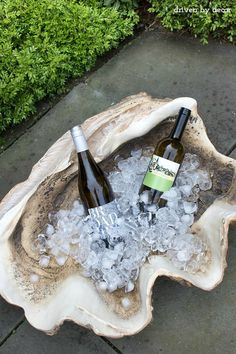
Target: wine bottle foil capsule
(79,138)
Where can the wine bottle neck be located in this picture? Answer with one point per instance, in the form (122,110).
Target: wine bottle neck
(79,139)
(180,124)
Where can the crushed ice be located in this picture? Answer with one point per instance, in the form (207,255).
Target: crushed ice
(135,235)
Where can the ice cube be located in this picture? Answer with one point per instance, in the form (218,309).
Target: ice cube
(142,166)
(144,197)
(98,246)
(136,153)
(144,219)
(112,286)
(124,205)
(171,194)
(189,207)
(192,267)
(107,263)
(173,204)
(184,255)
(34,278)
(102,285)
(78,207)
(204,180)
(52,217)
(61,260)
(181,228)
(191,162)
(124,165)
(44,261)
(185,190)
(125,302)
(187,219)
(65,248)
(163,214)
(129,287)
(167,216)
(49,230)
(75,239)
(184,179)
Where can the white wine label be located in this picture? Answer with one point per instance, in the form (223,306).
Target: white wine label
(106,214)
(161,173)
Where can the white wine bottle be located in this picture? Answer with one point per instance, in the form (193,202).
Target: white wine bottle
(166,160)
(94,188)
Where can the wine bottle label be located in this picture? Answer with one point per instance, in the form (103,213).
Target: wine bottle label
(161,173)
(106,214)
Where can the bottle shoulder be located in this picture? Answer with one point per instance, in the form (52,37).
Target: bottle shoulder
(171,149)
(87,162)
(170,143)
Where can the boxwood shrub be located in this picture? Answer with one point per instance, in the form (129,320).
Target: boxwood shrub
(201,17)
(43,43)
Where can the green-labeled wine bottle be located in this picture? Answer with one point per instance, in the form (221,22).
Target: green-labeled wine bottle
(166,160)
(94,188)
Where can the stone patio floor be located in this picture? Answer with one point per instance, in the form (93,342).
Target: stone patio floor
(185,320)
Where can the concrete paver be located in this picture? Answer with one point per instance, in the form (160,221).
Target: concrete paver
(163,65)
(71,339)
(233,154)
(9,316)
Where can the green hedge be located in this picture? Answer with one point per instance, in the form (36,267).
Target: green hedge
(201,17)
(46,42)
(43,43)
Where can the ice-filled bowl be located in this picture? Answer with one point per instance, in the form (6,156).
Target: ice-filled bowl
(62,293)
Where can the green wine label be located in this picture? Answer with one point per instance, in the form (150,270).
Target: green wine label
(161,173)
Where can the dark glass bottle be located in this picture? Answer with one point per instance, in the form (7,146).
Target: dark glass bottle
(94,188)
(166,160)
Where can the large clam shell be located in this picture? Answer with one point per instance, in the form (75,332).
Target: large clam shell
(63,292)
